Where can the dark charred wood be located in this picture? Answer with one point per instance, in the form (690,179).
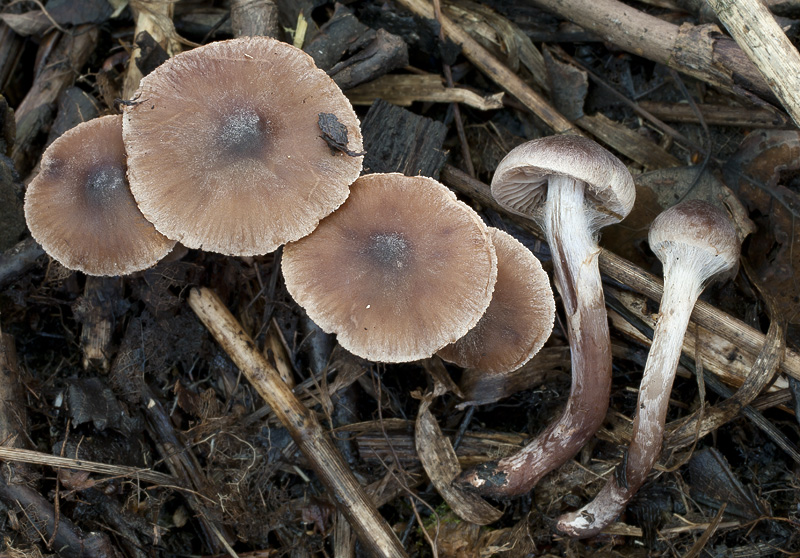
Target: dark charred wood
(397,140)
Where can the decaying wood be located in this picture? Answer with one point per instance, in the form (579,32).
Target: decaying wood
(11,47)
(480,388)
(718,115)
(627,142)
(404,89)
(758,34)
(302,424)
(100,296)
(391,439)
(633,277)
(154,18)
(74,107)
(13,417)
(498,72)
(57,531)
(18,260)
(699,51)
(253,18)
(111,471)
(384,53)
(397,140)
(183,465)
(58,70)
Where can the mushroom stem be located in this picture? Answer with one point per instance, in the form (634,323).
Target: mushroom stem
(681,290)
(569,227)
(695,242)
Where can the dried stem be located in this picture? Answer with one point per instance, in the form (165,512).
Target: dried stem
(303,426)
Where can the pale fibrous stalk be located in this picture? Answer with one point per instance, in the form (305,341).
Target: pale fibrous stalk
(690,260)
(569,224)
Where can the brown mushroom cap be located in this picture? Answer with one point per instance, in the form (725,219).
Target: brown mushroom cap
(698,230)
(225,150)
(520,181)
(398,272)
(519,319)
(80,209)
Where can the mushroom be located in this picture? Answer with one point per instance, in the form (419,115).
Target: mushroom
(519,318)
(225,149)
(80,208)
(696,242)
(571,187)
(398,272)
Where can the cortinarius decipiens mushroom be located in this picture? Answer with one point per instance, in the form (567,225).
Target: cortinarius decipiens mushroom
(80,209)
(571,187)
(225,150)
(696,242)
(519,318)
(398,272)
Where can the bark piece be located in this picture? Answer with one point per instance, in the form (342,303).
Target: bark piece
(384,53)
(250,18)
(75,106)
(397,140)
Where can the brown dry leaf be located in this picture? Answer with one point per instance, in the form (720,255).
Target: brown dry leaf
(441,464)
(458,539)
(754,173)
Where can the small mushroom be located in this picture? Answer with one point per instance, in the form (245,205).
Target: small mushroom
(696,242)
(398,272)
(519,318)
(225,147)
(571,187)
(80,208)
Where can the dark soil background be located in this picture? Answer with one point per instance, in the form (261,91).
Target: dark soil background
(120,371)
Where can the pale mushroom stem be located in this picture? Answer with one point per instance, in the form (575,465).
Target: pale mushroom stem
(682,287)
(570,234)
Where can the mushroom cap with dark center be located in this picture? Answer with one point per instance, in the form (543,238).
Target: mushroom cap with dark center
(80,209)
(519,319)
(520,181)
(398,272)
(699,231)
(225,150)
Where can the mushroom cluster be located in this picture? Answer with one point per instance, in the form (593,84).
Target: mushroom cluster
(241,146)
(228,148)
(221,149)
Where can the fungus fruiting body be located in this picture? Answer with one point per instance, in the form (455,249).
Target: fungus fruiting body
(519,318)
(695,242)
(572,187)
(225,149)
(399,271)
(80,209)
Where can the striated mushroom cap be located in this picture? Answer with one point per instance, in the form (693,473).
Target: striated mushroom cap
(520,181)
(519,319)
(697,234)
(398,272)
(80,209)
(226,151)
